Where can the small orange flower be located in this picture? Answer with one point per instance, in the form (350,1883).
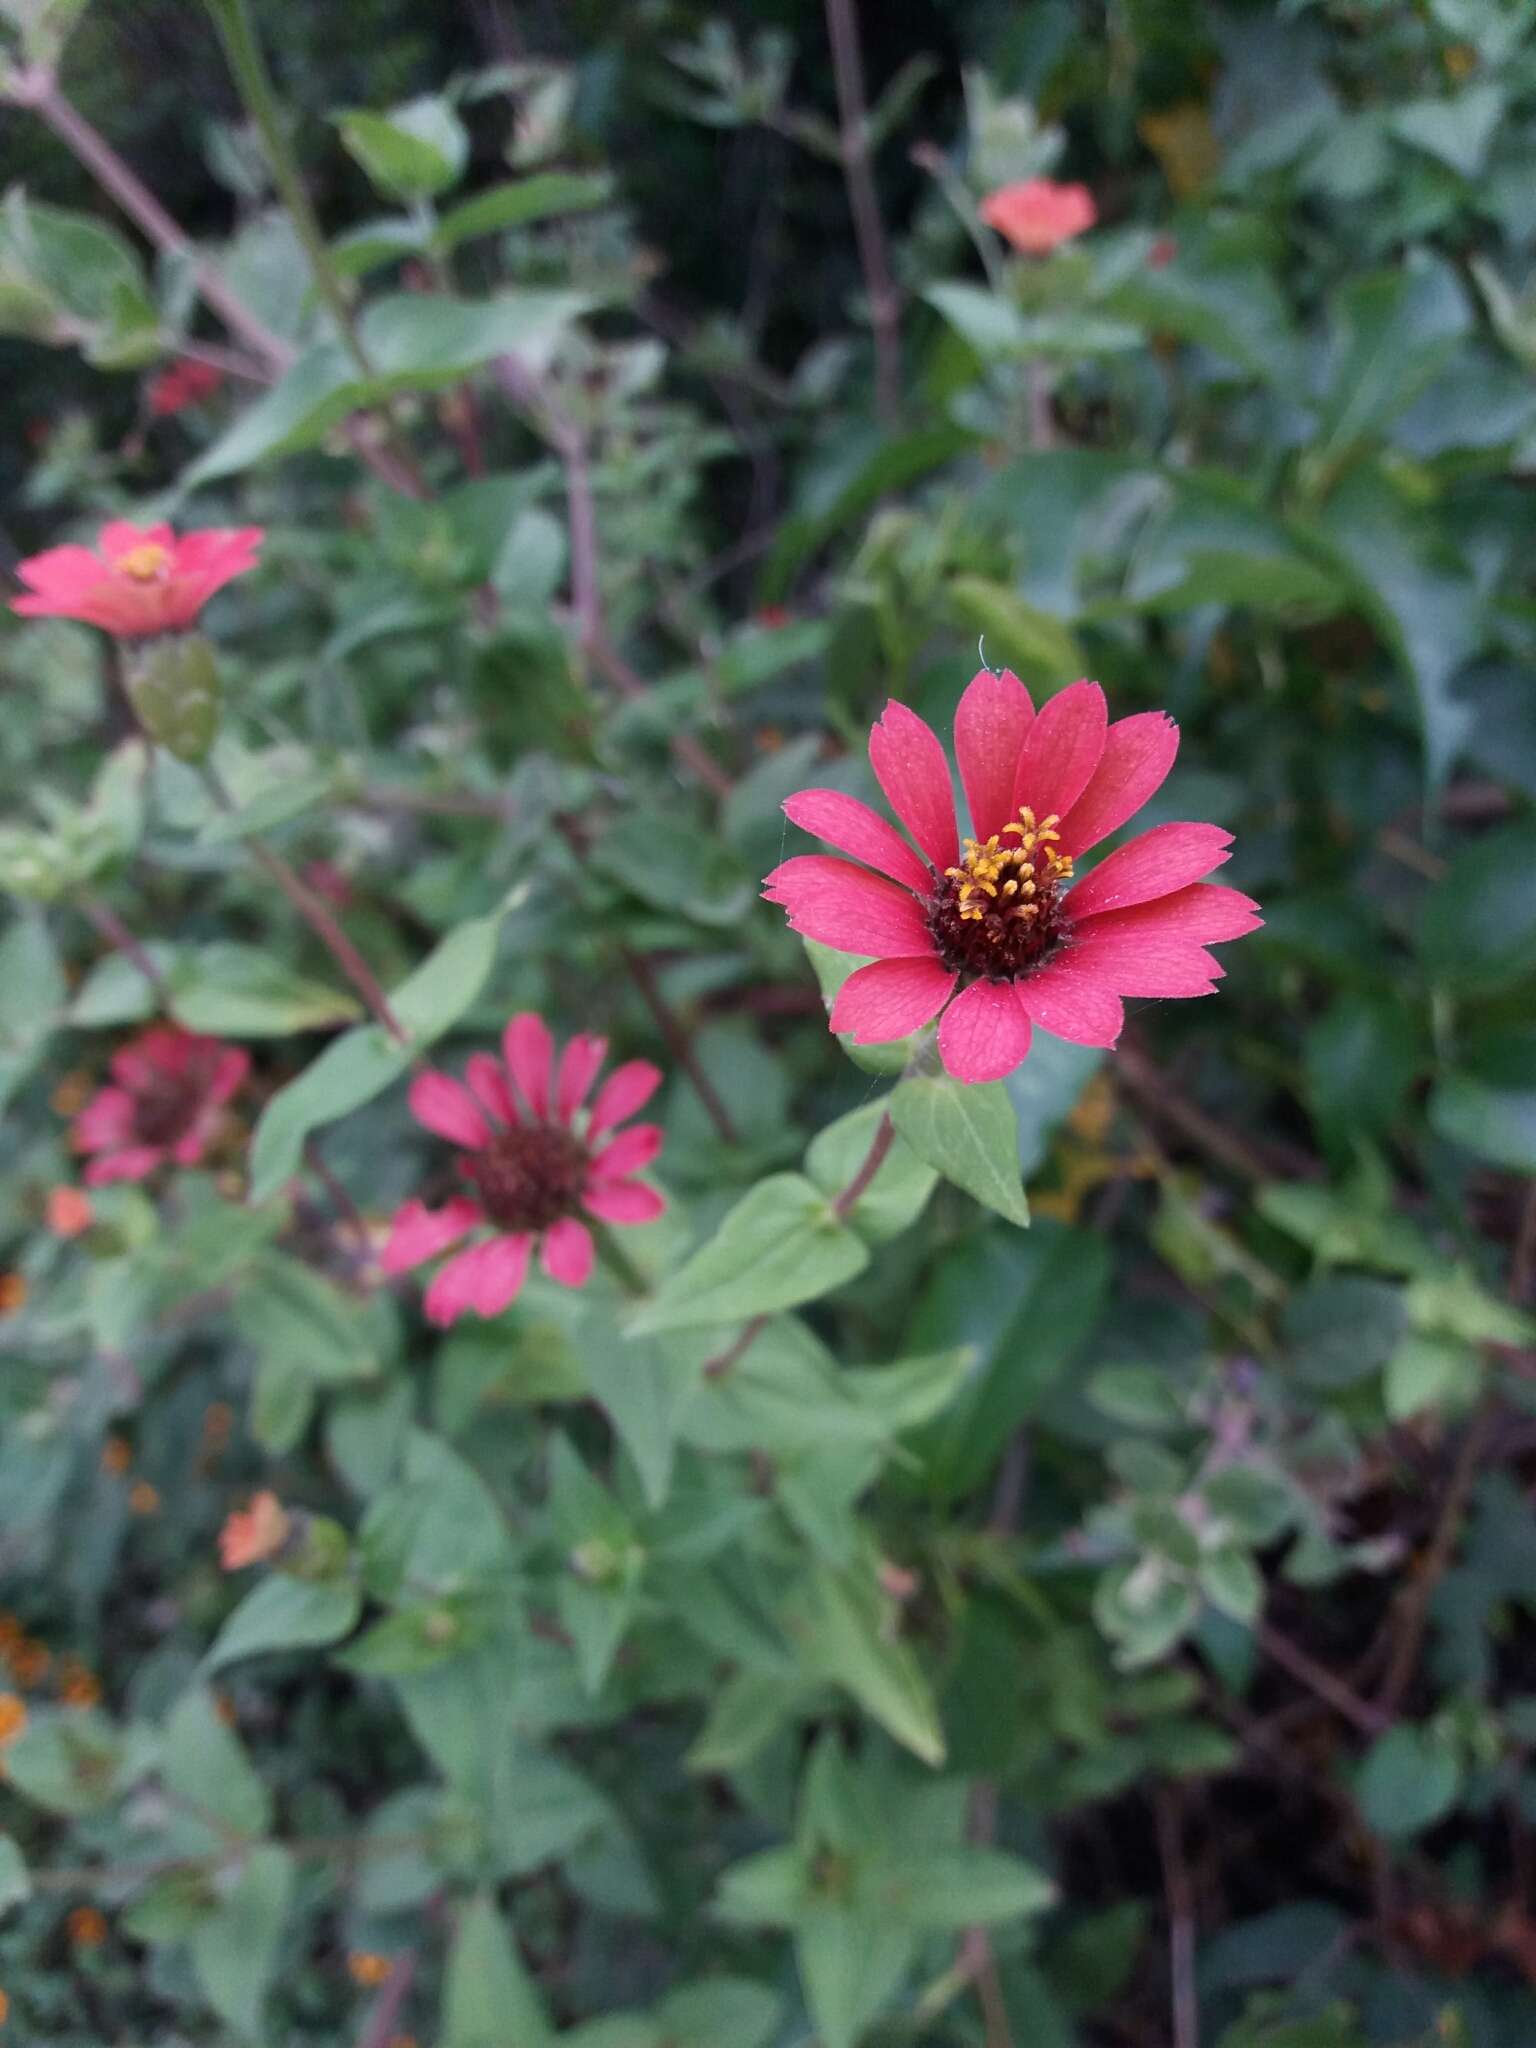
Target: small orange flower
(5,2008)
(368,1969)
(87,1927)
(13,1719)
(78,1685)
(13,1293)
(253,1534)
(116,1454)
(30,1662)
(72,1093)
(1037,215)
(69,1211)
(143,1499)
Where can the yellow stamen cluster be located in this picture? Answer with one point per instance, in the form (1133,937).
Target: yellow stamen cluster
(1011,878)
(144,563)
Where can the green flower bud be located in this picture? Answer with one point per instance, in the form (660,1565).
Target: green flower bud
(173,685)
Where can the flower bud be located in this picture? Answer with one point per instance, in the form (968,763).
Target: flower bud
(173,685)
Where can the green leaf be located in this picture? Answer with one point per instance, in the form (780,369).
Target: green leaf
(957,1888)
(489,2000)
(780,1245)
(15,1881)
(895,1198)
(1361,1057)
(1393,332)
(1431,1372)
(1408,1781)
(1033,642)
(1479,920)
(1233,1584)
(286,1311)
(366,1060)
(519,204)
(67,1760)
(850,1964)
(1456,132)
(205,1766)
(235,991)
(970,1134)
(235,1949)
(719,2010)
(284,1613)
(841,1626)
(413,152)
(1493,1123)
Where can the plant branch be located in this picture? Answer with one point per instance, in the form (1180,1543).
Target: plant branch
(1319,1680)
(1181,1920)
(1420,1592)
(643,975)
(38,89)
(569,441)
(379,2030)
(314,912)
(868,229)
(110,926)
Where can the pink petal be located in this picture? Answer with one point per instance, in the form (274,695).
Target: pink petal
(911,768)
(1069,1003)
(107,1119)
(848,907)
(488,1082)
(566,1254)
(228,1076)
(485,1279)
(120,537)
(984,1034)
(60,572)
(1138,753)
(579,1067)
(188,1150)
(889,998)
(626,1089)
(631,1152)
(137,1162)
(1167,858)
(622,1201)
(852,827)
(418,1233)
(447,1108)
(1205,913)
(530,1053)
(162,1049)
(992,720)
(1063,748)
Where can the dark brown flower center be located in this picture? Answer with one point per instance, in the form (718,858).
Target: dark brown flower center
(165,1107)
(999,912)
(530,1176)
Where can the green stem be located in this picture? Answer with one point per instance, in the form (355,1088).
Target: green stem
(238,34)
(618,1261)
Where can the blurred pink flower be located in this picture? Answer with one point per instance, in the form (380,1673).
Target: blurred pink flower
(184,383)
(998,923)
(167,1090)
(137,580)
(536,1160)
(1037,214)
(252,1535)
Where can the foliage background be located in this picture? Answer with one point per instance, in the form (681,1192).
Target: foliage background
(1175,1554)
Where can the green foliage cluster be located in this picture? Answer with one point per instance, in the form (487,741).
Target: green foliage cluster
(1048,1562)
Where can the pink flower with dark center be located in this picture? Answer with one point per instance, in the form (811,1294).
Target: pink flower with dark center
(1038,215)
(167,1092)
(184,383)
(1005,927)
(136,580)
(537,1160)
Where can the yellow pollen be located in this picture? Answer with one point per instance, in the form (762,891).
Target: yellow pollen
(144,563)
(988,869)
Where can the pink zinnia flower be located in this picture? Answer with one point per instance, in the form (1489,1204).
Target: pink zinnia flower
(536,1161)
(168,1089)
(1037,214)
(999,922)
(184,383)
(137,580)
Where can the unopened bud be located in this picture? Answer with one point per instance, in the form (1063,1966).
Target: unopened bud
(173,685)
